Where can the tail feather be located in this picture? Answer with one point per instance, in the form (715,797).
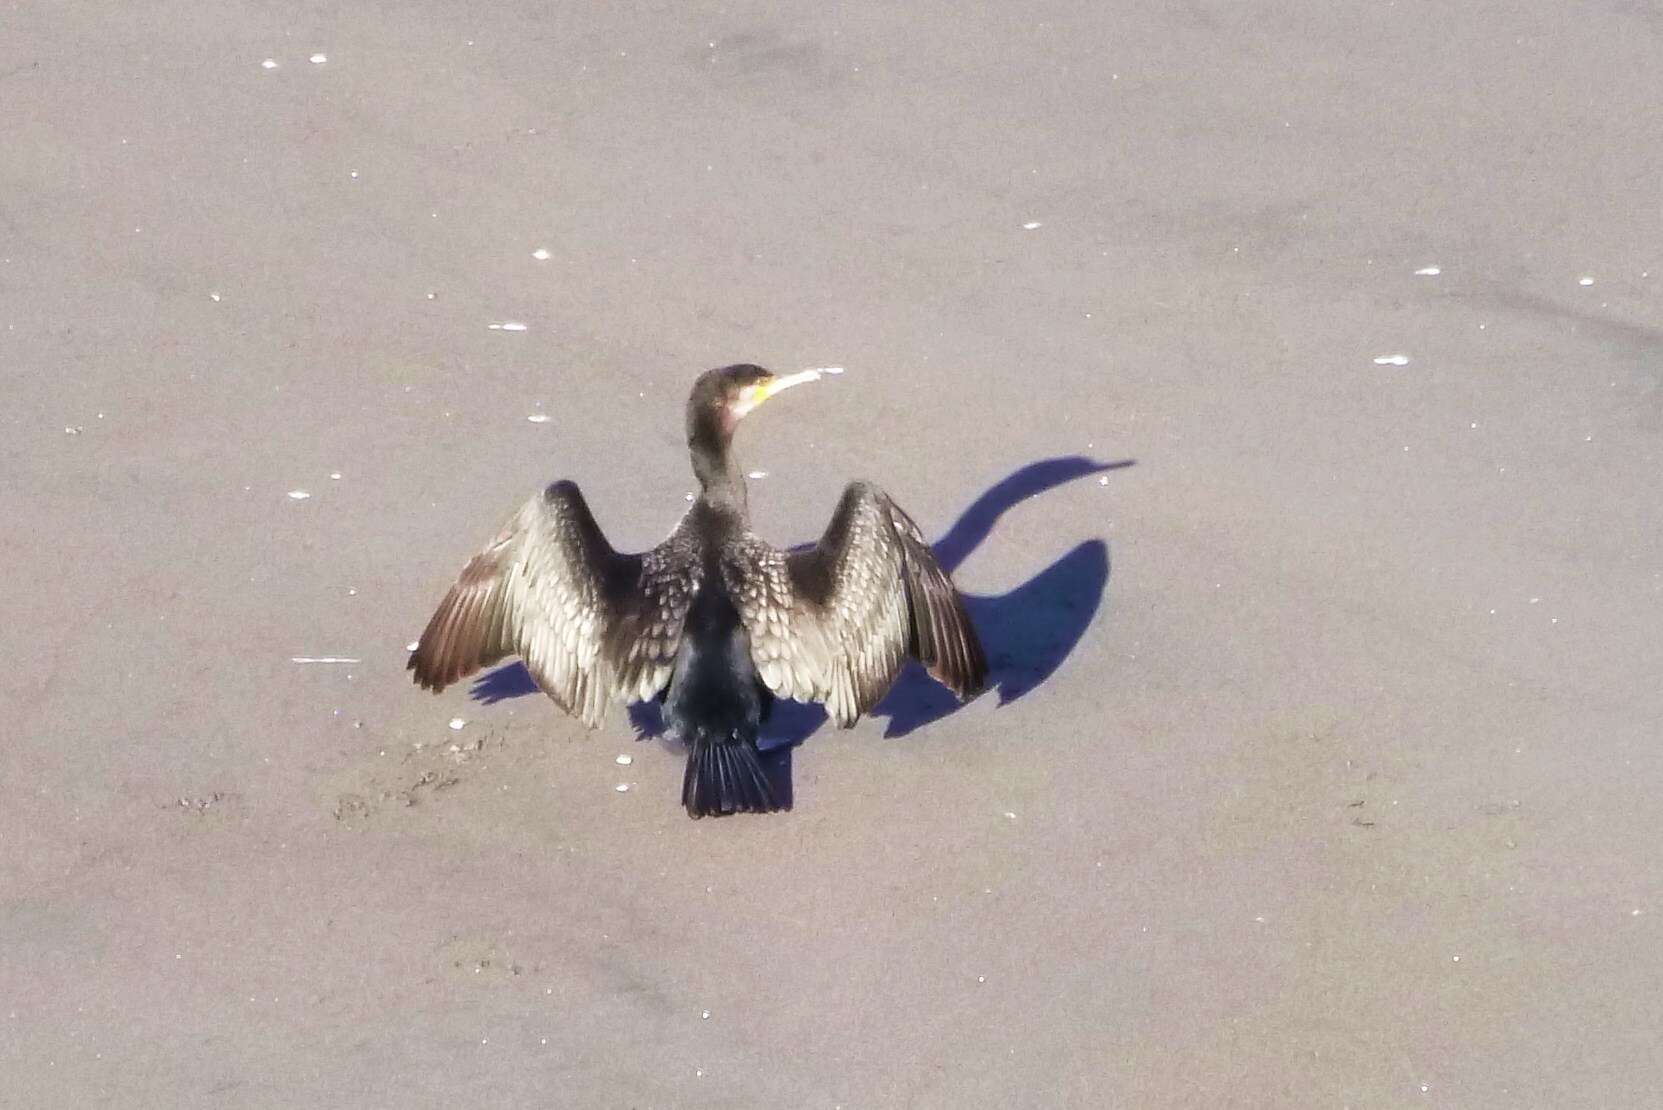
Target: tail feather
(726,776)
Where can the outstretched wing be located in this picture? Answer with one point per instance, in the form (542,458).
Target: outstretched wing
(592,625)
(835,623)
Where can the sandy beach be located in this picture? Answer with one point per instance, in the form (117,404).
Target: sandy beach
(1283,381)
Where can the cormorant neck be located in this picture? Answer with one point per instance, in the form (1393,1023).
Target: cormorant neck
(709,439)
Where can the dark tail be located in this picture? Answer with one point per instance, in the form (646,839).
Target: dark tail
(726,776)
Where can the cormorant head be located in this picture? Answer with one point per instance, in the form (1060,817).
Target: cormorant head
(720,399)
(734,391)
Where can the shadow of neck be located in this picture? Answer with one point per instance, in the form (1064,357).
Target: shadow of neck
(976,522)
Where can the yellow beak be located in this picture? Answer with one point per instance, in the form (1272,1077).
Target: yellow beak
(752,396)
(779,384)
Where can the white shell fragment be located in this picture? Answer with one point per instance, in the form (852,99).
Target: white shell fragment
(622,788)
(318,59)
(539,418)
(269,63)
(298,495)
(757,474)
(1585,281)
(1032,225)
(412,645)
(457,724)
(1392,360)
(1428,271)
(322,659)
(541,254)
(508,325)
(624,760)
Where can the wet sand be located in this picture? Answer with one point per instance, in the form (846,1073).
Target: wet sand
(1323,767)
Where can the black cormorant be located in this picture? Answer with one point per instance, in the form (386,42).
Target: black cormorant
(713,621)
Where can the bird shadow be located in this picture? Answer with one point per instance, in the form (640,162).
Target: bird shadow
(1028,631)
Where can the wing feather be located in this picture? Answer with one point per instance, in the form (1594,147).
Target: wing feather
(836,623)
(591,625)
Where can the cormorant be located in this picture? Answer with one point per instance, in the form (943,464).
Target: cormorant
(714,622)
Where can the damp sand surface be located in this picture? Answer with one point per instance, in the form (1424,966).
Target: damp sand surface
(1322,765)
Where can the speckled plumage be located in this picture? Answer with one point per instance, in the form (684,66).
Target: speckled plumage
(714,620)
(591,625)
(835,623)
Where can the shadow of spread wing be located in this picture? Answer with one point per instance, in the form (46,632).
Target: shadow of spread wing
(835,623)
(592,625)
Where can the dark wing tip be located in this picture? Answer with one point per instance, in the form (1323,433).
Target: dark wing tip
(427,674)
(974,676)
(959,664)
(971,679)
(453,644)
(942,634)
